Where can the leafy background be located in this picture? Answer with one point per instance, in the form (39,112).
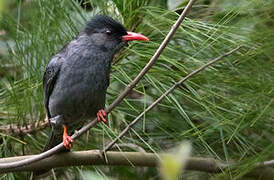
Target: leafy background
(226,112)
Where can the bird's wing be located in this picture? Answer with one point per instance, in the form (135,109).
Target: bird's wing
(49,79)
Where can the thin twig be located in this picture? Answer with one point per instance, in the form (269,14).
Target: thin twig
(266,163)
(131,146)
(164,95)
(153,59)
(116,101)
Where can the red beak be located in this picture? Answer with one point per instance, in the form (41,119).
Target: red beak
(132,36)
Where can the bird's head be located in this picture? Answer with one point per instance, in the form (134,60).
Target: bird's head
(109,34)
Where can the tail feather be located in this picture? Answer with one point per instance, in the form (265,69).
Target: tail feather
(54,139)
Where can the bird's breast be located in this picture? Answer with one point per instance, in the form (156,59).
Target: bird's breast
(80,89)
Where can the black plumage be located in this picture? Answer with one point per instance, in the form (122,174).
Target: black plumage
(76,78)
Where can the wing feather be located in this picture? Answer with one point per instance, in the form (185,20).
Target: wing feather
(49,80)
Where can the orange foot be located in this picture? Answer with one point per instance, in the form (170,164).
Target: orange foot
(101,116)
(67,140)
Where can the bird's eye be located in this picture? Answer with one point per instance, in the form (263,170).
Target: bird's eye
(108,32)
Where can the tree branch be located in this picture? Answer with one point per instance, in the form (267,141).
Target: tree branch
(166,94)
(114,104)
(94,157)
(18,130)
(262,170)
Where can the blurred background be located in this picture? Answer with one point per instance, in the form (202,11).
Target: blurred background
(226,112)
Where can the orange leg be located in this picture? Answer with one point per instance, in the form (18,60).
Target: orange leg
(67,140)
(101,116)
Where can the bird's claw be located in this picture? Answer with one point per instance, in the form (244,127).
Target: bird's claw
(68,142)
(101,116)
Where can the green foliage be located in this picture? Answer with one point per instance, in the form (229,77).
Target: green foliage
(226,111)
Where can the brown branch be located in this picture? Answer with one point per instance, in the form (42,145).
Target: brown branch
(116,101)
(94,157)
(262,170)
(166,94)
(18,130)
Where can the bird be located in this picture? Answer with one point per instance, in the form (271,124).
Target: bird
(76,78)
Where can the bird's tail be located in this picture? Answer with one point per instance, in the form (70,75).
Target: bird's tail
(55,138)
